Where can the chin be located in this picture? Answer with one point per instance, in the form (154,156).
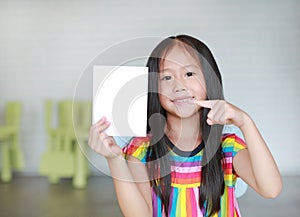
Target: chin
(187,113)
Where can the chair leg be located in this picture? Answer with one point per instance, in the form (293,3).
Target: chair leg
(54,142)
(53,179)
(17,156)
(6,167)
(79,180)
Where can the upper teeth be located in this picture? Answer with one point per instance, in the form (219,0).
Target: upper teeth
(183,100)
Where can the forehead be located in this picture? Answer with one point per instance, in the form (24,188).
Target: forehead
(181,55)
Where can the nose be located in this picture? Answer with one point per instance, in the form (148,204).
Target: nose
(180,86)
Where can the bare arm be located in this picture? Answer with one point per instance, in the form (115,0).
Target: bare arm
(255,165)
(133,195)
(134,199)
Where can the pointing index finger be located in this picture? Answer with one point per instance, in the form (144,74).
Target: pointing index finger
(204,103)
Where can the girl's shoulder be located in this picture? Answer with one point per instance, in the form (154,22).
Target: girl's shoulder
(232,140)
(137,147)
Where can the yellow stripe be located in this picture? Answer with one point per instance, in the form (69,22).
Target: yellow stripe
(228,176)
(215,215)
(194,185)
(238,146)
(183,203)
(228,142)
(235,214)
(224,203)
(141,149)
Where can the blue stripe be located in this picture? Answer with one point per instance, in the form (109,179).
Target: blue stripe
(159,211)
(185,159)
(174,202)
(227,149)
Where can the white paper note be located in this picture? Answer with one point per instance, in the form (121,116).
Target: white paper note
(120,94)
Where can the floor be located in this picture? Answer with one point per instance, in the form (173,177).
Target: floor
(34,196)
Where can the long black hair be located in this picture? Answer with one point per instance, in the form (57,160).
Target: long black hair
(159,169)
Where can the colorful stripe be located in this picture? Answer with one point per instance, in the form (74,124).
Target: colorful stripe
(186,179)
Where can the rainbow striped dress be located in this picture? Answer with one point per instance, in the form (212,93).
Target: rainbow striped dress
(186,178)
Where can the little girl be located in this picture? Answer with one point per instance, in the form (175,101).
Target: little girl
(186,166)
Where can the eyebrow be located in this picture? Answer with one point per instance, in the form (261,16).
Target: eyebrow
(185,66)
(191,65)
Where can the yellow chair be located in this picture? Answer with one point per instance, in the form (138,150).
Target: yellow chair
(58,161)
(63,157)
(12,156)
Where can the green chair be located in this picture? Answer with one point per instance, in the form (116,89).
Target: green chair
(63,157)
(12,156)
(58,161)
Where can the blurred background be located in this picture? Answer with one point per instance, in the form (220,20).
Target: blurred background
(46,46)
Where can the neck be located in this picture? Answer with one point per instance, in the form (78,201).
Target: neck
(184,133)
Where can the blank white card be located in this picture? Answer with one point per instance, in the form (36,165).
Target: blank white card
(120,94)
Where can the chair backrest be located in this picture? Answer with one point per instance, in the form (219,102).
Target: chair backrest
(65,113)
(48,106)
(86,114)
(82,111)
(69,112)
(13,114)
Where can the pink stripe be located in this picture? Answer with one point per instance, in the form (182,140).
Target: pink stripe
(236,206)
(227,160)
(198,213)
(240,141)
(186,169)
(232,136)
(230,203)
(194,203)
(186,175)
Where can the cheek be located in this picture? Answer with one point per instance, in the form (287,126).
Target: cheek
(202,93)
(202,83)
(200,90)
(164,89)
(163,100)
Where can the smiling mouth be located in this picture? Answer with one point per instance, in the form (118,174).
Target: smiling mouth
(184,100)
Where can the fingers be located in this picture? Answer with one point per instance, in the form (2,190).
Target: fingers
(112,149)
(101,125)
(100,142)
(217,113)
(96,129)
(205,103)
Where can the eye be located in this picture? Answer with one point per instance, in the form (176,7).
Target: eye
(189,74)
(166,78)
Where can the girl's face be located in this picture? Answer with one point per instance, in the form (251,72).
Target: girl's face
(180,82)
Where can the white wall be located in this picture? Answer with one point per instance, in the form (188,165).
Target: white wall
(45,45)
